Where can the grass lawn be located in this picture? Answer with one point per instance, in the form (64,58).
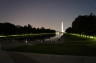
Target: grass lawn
(73,45)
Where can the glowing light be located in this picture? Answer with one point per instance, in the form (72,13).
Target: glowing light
(2,36)
(57,32)
(62,27)
(26,41)
(91,37)
(84,36)
(25,35)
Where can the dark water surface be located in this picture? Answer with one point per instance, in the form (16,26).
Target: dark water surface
(13,42)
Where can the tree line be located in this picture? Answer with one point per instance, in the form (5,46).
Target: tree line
(10,29)
(83,24)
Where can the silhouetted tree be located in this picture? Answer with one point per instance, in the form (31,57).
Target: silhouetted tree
(9,29)
(85,24)
(69,30)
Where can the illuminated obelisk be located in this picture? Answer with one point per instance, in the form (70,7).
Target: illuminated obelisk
(62,27)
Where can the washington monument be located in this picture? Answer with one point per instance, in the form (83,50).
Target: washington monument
(62,27)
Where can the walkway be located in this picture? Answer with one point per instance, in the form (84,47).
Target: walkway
(18,57)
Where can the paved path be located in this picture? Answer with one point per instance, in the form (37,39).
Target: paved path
(5,58)
(21,58)
(18,57)
(48,58)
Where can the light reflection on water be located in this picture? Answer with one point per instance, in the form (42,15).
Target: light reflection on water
(7,44)
(57,37)
(42,41)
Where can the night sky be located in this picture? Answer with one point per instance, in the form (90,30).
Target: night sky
(45,13)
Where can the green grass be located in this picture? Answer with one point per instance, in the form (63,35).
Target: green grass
(77,39)
(26,35)
(73,45)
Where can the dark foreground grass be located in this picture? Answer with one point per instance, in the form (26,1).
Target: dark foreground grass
(81,48)
(61,49)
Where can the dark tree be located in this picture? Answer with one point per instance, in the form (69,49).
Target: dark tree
(85,24)
(69,30)
(10,29)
